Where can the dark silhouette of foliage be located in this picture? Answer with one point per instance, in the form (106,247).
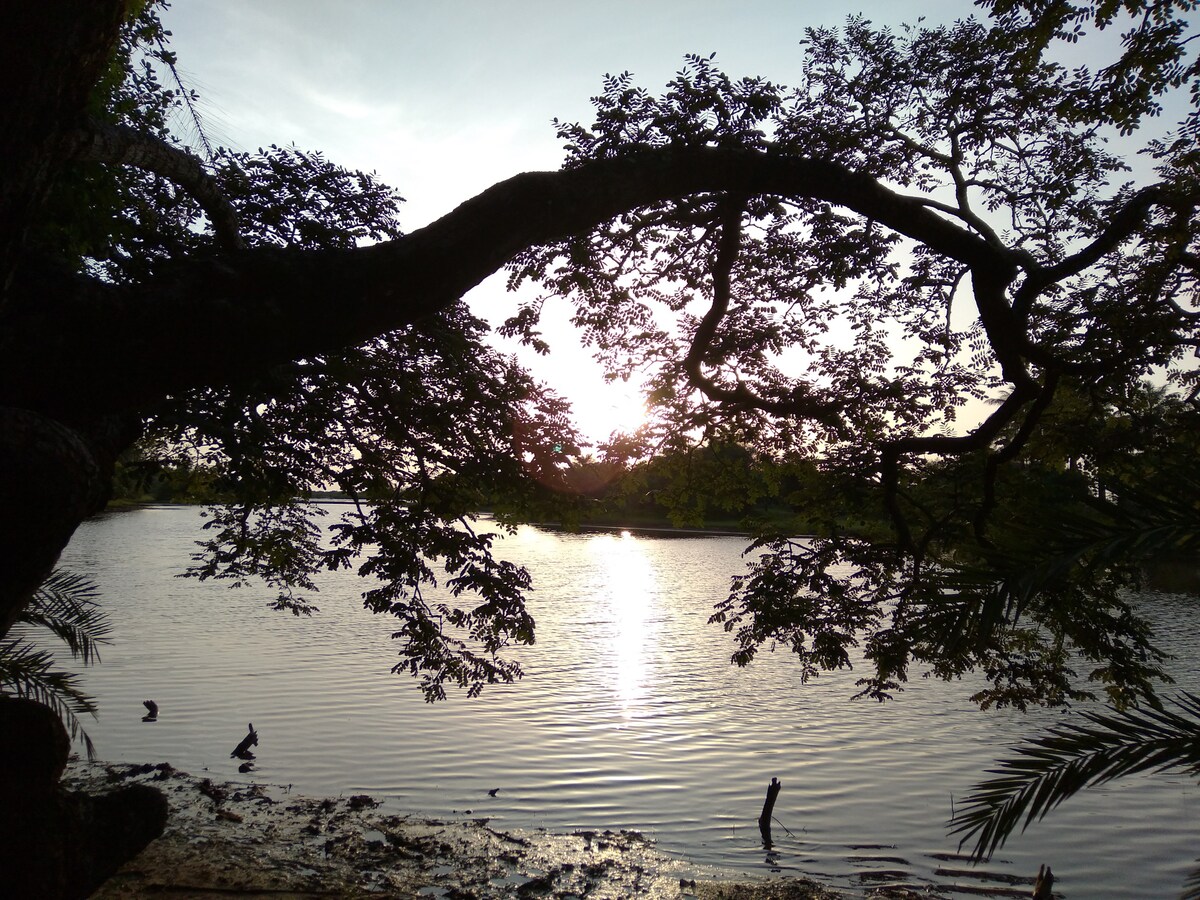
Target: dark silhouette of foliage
(1074,755)
(822,285)
(66,607)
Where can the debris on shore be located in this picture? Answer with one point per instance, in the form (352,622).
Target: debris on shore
(248,839)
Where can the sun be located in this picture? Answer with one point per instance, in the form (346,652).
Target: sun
(603,408)
(599,407)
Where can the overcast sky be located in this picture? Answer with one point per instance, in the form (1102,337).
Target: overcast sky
(445,98)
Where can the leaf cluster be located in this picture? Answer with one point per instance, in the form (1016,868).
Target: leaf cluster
(807,332)
(811,333)
(421,428)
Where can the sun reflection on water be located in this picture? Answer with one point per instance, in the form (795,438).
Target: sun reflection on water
(626,594)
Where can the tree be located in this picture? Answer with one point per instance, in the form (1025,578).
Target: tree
(827,275)
(932,217)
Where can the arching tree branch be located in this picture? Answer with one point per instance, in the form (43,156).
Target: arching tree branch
(234,314)
(125,146)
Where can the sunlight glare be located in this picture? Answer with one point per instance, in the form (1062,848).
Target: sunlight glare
(627,595)
(602,409)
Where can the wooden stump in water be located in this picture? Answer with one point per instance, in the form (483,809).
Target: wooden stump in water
(764,820)
(1043,887)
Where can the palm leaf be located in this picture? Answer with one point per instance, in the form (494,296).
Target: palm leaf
(30,672)
(64,605)
(1071,756)
(1191,887)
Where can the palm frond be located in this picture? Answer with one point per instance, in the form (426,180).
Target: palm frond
(65,605)
(1071,756)
(30,672)
(1191,887)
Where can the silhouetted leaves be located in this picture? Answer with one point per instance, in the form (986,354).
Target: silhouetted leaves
(1071,756)
(65,606)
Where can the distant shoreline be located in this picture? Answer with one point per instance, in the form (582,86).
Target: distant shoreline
(665,528)
(646,529)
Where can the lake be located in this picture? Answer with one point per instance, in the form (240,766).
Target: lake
(629,716)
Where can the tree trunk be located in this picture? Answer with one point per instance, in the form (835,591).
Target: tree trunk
(53,478)
(53,53)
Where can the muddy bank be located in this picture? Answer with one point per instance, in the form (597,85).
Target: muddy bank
(254,840)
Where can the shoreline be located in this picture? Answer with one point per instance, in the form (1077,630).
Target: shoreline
(245,839)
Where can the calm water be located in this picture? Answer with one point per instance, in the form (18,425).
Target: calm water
(629,717)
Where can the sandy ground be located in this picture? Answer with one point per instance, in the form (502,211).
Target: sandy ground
(261,841)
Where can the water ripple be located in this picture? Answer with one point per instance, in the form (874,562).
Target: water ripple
(629,717)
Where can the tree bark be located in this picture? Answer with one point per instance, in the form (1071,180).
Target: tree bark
(71,344)
(52,53)
(124,146)
(52,477)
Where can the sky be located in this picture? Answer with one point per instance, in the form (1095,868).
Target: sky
(443,99)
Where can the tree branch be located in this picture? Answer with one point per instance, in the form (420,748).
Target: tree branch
(53,52)
(221,319)
(802,405)
(125,146)
(944,445)
(1008,453)
(1120,226)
